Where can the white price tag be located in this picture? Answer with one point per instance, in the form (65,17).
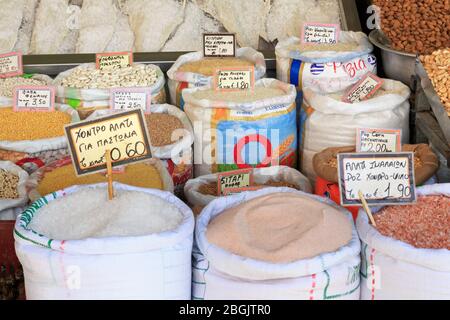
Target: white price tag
(34,98)
(130,98)
(320,33)
(235,79)
(378,140)
(11,65)
(219,45)
(364,89)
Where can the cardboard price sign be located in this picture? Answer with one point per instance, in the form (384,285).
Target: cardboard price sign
(232,191)
(383,178)
(234,179)
(320,33)
(378,140)
(114,60)
(219,45)
(124,134)
(130,98)
(34,98)
(11,65)
(234,79)
(364,89)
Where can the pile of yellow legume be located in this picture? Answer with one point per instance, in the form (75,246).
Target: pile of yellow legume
(24,125)
(139,175)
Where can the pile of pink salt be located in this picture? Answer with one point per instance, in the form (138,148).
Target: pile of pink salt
(280,228)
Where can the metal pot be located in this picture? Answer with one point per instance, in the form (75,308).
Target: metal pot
(397,65)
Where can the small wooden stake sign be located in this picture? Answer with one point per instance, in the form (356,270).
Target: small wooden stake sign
(109,174)
(367,208)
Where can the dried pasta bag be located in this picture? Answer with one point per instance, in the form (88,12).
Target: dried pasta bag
(61,175)
(202,74)
(35,132)
(12,182)
(326,121)
(245,129)
(219,274)
(392,269)
(93,92)
(171,140)
(325,68)
(7,86)
(271,176)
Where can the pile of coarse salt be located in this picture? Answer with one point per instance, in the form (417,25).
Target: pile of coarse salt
(422,225)
(88,213)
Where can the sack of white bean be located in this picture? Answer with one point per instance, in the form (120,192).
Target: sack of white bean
(407,255)
(7,86)
(13,180)
(87,89)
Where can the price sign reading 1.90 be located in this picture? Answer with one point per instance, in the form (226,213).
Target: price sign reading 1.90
(235,79)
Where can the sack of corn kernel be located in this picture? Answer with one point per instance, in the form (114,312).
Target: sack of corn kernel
(171,139)
(220,274)
(326,121)
(94,268)
(87,89)
(13,191)
(7,86)
(244,129)
(192,70)
(201,191)
(325,68)
(60,175)
(35,132)
(417,267)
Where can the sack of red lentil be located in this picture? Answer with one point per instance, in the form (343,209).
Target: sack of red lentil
(7,86)
(201,191)
(219,274)
(166,124)
(42,131)
(407,256)
(325,68)
(244,129)
(13,181)
(87,89)
(326,121)
(192,70)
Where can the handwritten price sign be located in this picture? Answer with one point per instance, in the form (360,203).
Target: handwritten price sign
(234,179)
(383,178)
(234,79)
(125,134)
(34,98)
(11,65)
(130,98)
(364,89)
(114,60)
(378,140)
(219,45)
(320,33)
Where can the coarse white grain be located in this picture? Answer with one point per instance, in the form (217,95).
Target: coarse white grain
(89,214)
(7,85)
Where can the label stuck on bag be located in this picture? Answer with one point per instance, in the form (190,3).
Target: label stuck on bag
(383,178)
(124,134)
(219,45)
(34,98)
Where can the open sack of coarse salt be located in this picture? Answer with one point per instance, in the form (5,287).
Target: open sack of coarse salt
(275,243)
(326,121)
(407,255)
(243,129)
(192,70)
(76,244)
(325,68)
(201,191)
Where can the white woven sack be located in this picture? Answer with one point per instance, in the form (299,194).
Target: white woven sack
(218,274)
(21,189)
(157,266)
(394,270)
(327,122)
(325,71)
(8,101)
(260,176)
(35,146)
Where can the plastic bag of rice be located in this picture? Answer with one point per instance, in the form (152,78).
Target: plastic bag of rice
(75,244)
(193,70)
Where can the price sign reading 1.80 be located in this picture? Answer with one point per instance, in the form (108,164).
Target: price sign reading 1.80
(234,79)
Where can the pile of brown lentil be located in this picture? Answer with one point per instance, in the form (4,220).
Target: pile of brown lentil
(8,185)
(18,126)
(422,225)
(211,188)
(161,127)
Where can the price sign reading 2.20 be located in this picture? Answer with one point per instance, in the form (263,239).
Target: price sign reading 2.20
(124,134)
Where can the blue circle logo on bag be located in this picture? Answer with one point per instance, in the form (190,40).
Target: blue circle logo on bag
(372,60)
(317,68)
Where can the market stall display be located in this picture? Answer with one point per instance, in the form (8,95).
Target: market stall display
(192,70)
(234,124)
(139,227)
(201,191)
(327,121)
(409,242)
(246,251)
(87,88)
